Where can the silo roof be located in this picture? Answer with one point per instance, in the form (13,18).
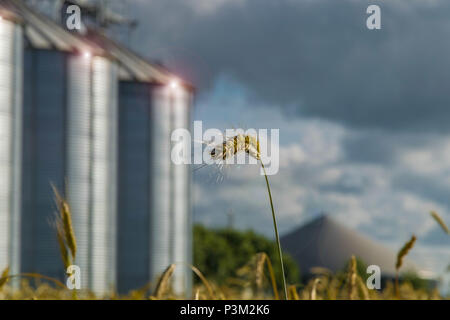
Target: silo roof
(132,66)
(42,32)
(326,243)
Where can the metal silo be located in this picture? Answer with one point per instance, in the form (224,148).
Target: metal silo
(91,165)
(180,101)
(154,215)
(43,158)
(104,177)
(170,221)
(96,122)
(154,222)
(134,185)
(161,212)
(11,60)
(69,139)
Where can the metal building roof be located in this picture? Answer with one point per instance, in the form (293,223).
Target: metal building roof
(326,243)
(133,67)
(41,32)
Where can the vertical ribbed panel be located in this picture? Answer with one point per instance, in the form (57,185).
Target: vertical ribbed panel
(17,80)
(134,186)
(113,142)
(104,111)
(79,157)
(43,158)
(154,194)
(180,224)
(6,132)
(92,167)
(162,190)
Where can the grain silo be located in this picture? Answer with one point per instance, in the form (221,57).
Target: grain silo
(154,215)
(95,119)
(10,139)
(69,116)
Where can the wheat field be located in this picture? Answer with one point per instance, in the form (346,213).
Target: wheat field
(254,280)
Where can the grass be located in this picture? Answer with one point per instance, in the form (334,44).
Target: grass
(251,146)
(400,256)
(324,286)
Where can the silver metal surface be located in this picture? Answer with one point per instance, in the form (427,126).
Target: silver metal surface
(10,142)
(79,150)
(162,193)
(91,167)
(134,185)
(103,174)
(44,110)
(181,220)
(71,135)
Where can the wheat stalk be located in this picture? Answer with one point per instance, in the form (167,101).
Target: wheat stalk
(263,259)
(204,280)
(401,254)
(352,277)
(404,251)
(233,145)
(250,145)
(164,281)
(314,288)
(363,288)
(440,221)
(62,246)
(66,219)
(259,273)
(4,277)
(293,292)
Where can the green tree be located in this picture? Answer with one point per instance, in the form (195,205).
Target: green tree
(416,281)
(219,253)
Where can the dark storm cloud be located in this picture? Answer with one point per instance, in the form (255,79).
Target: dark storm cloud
(380,147)
(316,55)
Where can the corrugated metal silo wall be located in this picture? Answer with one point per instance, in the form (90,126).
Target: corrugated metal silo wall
(154,194)
(11,68)
(134,185)
(92,167)
(104,173)
(70,135)
(180,106)
(44,123)
(161,211)
(79,149)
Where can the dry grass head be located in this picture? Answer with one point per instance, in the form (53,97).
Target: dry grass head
(197,295)
(62,246)
(363,288)
(233,145)
(255,270)
(313,295)
(4,277)
(404,251)
(440,221)
(352,278)
(65,234)
(163,285)
(293,294)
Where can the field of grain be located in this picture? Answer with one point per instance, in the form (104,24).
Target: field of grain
(254,280)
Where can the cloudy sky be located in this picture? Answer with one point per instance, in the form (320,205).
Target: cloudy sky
(364,115)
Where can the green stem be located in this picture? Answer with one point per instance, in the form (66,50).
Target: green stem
(280,256)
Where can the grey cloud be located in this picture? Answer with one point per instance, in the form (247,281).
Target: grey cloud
(436,237)
(381,147)
(316,55)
